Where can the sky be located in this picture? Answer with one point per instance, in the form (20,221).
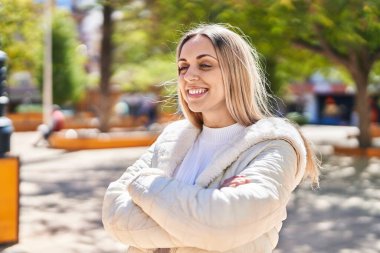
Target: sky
(62,3)
(68,3)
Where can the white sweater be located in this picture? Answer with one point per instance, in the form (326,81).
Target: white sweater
(209,141)
(147,209)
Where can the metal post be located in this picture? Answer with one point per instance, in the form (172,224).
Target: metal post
(3,74)
(48,77)
(6,127)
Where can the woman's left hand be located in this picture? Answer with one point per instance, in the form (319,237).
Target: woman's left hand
(235,181)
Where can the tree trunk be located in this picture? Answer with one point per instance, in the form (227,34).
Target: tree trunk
(362,108)
(105,106)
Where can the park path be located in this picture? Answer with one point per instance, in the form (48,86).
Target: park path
(62,192)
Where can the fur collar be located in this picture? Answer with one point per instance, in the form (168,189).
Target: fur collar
(179,136)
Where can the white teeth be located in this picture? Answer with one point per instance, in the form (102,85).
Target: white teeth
(197,91)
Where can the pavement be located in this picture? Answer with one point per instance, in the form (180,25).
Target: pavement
(62,192)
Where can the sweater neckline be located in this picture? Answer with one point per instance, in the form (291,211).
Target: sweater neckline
(220,135)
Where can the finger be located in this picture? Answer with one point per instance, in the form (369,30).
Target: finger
(227,184)
(228,180)
(239,181)
(234,181)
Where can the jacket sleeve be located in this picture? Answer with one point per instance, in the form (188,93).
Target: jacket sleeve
(127,222)
(222,219)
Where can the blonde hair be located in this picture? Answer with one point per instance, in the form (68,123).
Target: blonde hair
(244,83)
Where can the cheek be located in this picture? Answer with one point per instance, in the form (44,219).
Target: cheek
(180,80)
(220,77)
(181,84)
(181,88)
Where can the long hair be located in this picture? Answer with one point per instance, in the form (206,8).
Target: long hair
(244,82)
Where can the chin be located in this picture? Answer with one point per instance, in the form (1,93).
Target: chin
(195,109)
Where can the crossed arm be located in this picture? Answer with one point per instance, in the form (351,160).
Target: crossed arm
(148,210)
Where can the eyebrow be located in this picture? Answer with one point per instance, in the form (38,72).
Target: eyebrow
(199,57)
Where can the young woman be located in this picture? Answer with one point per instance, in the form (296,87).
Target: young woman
(218,181)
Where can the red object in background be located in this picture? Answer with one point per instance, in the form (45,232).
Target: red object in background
(58,120)
(330,100)
(374,113)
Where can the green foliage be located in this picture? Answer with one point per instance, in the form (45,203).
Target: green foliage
(154,28)
(21,34)
(28,108)
(68,69)
(297,118)
(346,26)
(151,28)
(141,76)
(375,74)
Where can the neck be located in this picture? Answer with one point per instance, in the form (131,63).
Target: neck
(219,121)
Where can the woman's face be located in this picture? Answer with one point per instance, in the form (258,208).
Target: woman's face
(200,78)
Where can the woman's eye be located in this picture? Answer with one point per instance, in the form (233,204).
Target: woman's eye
(182,70)
(205,66)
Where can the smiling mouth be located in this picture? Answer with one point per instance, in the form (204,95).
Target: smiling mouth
(197,92)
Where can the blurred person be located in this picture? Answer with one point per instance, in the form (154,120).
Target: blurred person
(219,180)
(331,112)
(134,102)
(46,130)
(149,109)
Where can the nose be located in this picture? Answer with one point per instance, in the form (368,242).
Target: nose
(191,75)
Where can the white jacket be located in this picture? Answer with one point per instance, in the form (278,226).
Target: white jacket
(147,209)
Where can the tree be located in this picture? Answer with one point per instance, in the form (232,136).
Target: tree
(106,54)
(344,31)
(104,110)
(68,65)
(21,34)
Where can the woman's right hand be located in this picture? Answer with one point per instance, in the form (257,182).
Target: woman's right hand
(235,181)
